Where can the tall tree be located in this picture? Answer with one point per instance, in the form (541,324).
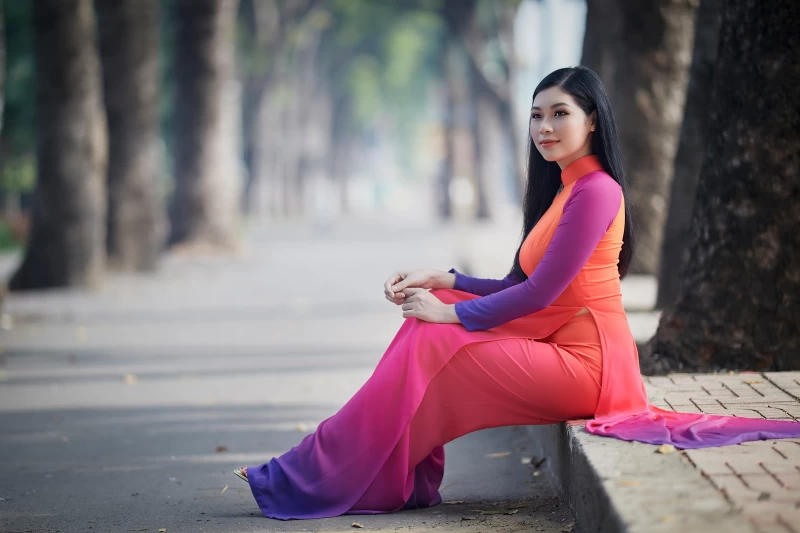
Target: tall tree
(205,205)
(603,27)
(644,54)
(67,242)
(129,47)
(739,297)
(2,63)
(691,150)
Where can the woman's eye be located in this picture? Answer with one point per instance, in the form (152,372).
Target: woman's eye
(564,113)
(535,116)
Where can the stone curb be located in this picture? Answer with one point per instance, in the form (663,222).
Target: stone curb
(614,486)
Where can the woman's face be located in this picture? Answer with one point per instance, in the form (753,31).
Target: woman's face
(559,128)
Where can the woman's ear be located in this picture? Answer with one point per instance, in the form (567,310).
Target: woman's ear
(593,121)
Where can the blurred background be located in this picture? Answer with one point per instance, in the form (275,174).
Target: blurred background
(136,129)
(324,108)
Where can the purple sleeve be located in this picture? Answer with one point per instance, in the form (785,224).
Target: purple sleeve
(588,213)
(482,286)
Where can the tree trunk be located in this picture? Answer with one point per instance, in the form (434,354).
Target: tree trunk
(649,91)
(67,243)
(603,27)
(129,46)
(2,64)
(691,150)
(207,167)
(739,297)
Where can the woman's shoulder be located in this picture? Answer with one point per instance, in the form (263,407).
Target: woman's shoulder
(597,184)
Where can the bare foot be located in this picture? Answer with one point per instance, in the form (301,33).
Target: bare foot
(244,470)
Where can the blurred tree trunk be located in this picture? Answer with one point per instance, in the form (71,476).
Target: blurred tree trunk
(482,211)
(206,200)
(67,242)
(129,44)
(652,59)
(739,298)
(447,163)
(2,63)
(603,27)
(691,150)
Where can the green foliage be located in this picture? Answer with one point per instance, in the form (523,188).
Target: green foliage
(18,174)
(18,135)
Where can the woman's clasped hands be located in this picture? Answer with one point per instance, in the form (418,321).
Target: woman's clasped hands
(409,289)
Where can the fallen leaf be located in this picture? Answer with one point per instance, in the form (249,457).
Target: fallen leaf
(162,530)
(628,483)
(666,519)
(526,460)
(224,489)
(220,449)
(356,524)
(514,511)
(129,379)
(752,381)
(453,502)
(498,455)
(666,448)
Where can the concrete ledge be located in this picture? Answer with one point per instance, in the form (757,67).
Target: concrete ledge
(614,486)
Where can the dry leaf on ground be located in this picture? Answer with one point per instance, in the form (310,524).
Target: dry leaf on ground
(752,381)
(221,449)
(162,529)
(356,524)
(497,455)
(666,448)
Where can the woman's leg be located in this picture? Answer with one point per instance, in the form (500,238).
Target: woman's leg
(487,384)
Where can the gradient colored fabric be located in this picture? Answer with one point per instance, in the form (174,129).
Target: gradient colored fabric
(591,207)
(573,359)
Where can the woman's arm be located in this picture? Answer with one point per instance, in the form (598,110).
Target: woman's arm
(588,213)
(482,286)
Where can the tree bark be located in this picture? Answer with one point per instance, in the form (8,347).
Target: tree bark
(129,45)
(67,243)
(2,64)
(205,207)
(739,298)
(653,55)
(691,150)
(603,27)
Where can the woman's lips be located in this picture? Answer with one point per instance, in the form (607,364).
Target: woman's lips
(548,144)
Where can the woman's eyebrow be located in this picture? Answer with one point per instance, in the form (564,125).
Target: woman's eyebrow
(551,107)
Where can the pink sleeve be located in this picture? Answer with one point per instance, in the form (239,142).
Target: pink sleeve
(588,213)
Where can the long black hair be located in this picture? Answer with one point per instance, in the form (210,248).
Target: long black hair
(544,177)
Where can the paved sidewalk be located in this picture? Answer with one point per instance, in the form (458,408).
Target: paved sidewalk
(762,478)
(754,487)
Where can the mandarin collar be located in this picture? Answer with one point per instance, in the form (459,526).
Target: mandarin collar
(579,168)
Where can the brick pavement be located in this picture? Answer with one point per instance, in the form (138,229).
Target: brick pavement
(761,478)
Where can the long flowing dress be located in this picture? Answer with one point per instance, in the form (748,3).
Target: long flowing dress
(571,356)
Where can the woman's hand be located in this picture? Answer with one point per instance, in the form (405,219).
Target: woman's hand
(421,304)
(395,287)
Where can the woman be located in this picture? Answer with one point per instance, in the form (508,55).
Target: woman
(548,343)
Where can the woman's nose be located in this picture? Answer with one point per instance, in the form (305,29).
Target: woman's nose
(544,127)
